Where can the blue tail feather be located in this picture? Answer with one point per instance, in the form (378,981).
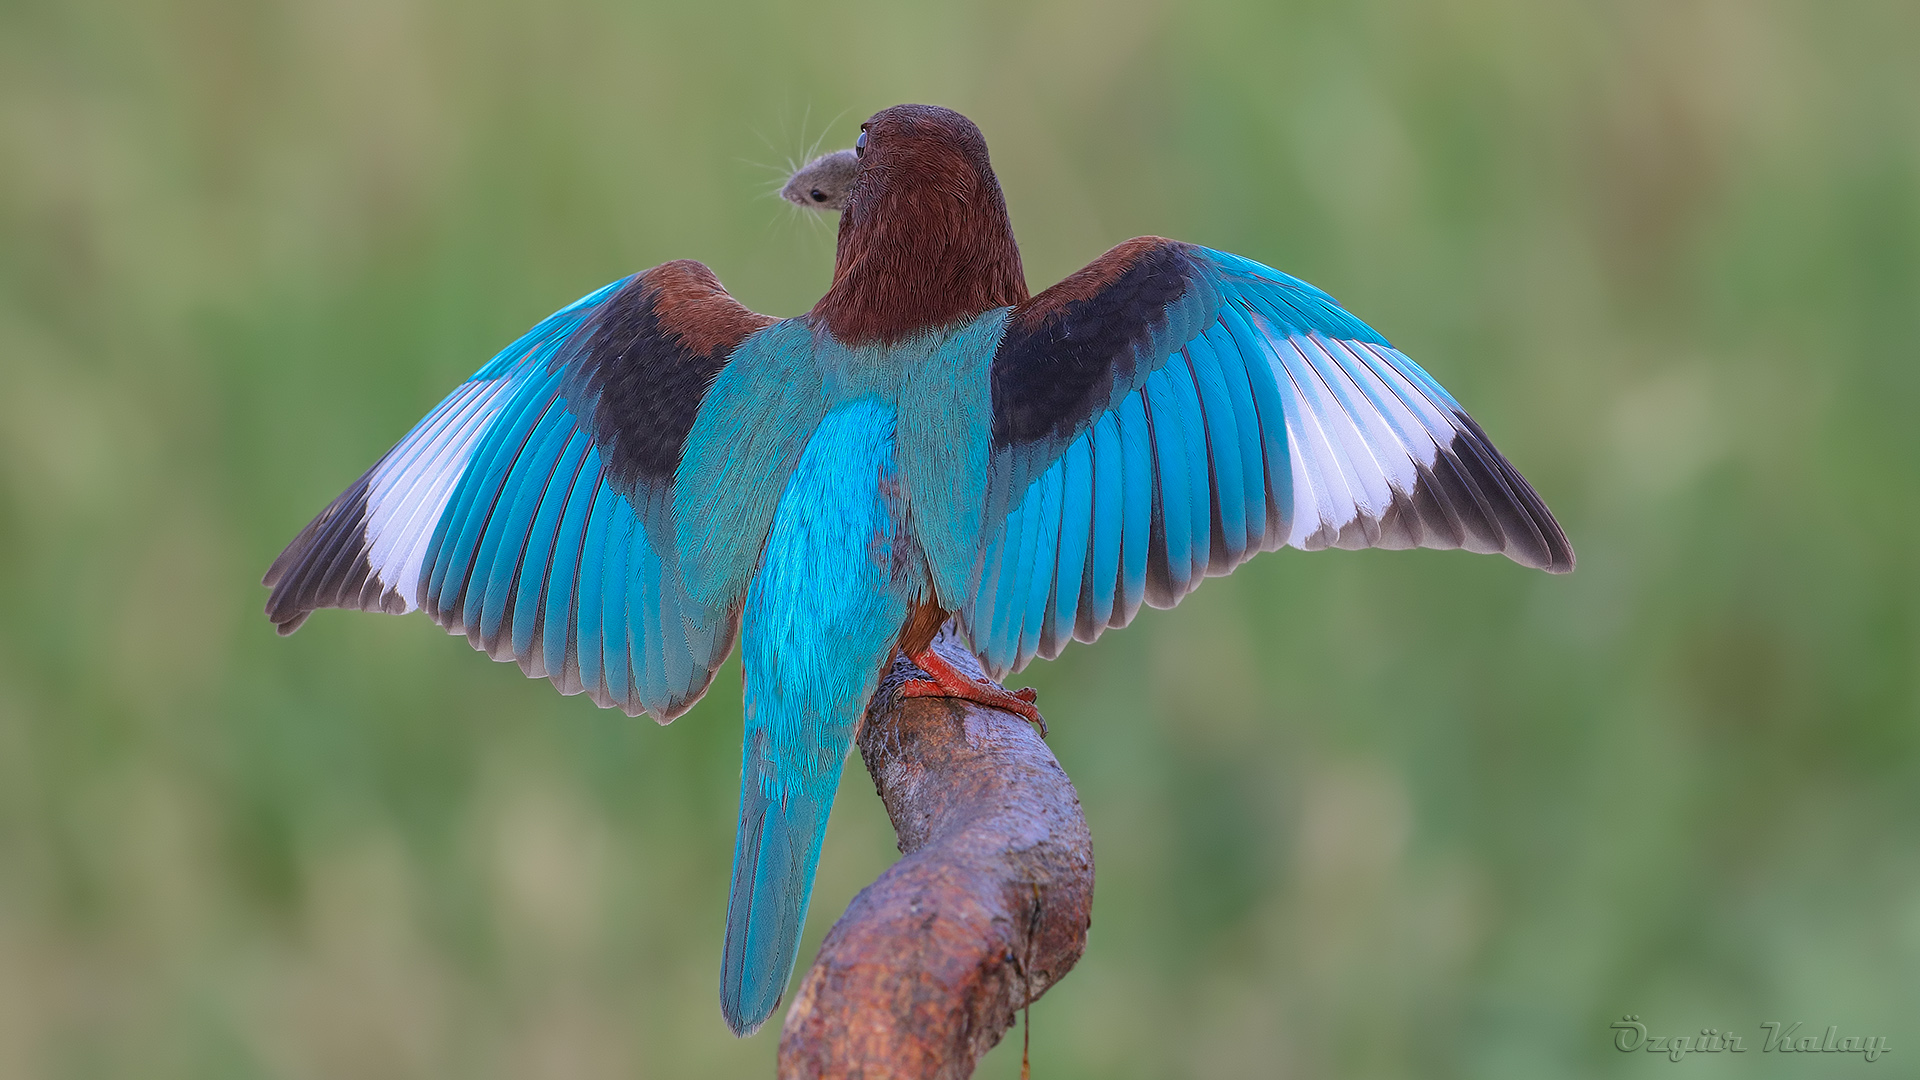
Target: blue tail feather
(822,617)
(775,854)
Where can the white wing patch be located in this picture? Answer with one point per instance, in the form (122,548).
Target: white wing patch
(409,490)
(1362,434)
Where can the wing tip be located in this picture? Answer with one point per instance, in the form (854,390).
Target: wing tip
(1564,560)
(1559,561)
(1531,535)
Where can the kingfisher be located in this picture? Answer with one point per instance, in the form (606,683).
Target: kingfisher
(655,471)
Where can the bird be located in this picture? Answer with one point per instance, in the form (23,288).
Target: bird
(655,472)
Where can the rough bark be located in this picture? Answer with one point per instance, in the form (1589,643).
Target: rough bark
(987,908)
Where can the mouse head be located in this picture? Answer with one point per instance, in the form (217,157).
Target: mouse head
(823,183)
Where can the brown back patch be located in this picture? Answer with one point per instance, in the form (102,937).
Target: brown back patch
(689,303)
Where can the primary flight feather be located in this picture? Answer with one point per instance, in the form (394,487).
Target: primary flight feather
(654,471)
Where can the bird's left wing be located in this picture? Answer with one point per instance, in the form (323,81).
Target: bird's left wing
(531,511)
(1170,410)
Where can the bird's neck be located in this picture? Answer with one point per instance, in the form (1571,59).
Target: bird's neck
(920,260)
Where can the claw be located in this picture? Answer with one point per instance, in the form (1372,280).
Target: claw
(944,681)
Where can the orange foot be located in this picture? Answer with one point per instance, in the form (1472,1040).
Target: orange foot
(944,681)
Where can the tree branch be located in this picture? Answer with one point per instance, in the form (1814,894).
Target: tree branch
(987,908)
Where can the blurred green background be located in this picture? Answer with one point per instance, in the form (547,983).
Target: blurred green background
(1409,814)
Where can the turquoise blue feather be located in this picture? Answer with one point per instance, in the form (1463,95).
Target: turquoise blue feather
(1224,453)
(543,538)
(591,607)
(505,545)
(561,646)
(1044,562)
(1076,528)
(1196,457)
(1169,578)
(1137,515)
(1102,583)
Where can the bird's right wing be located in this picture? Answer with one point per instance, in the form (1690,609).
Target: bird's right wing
(532,509)
(1171,410)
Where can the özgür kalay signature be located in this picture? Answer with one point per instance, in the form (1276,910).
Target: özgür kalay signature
(1629,1034)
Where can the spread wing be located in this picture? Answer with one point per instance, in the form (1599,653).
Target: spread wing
(1170,410)
(531,510)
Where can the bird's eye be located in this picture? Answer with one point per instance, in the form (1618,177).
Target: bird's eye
(818,195)
(860,144)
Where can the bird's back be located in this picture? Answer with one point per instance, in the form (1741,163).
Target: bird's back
(764,407)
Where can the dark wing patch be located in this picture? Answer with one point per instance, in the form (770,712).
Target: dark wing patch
(645,360)
(1066,349)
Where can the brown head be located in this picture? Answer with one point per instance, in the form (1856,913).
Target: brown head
(924,240)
